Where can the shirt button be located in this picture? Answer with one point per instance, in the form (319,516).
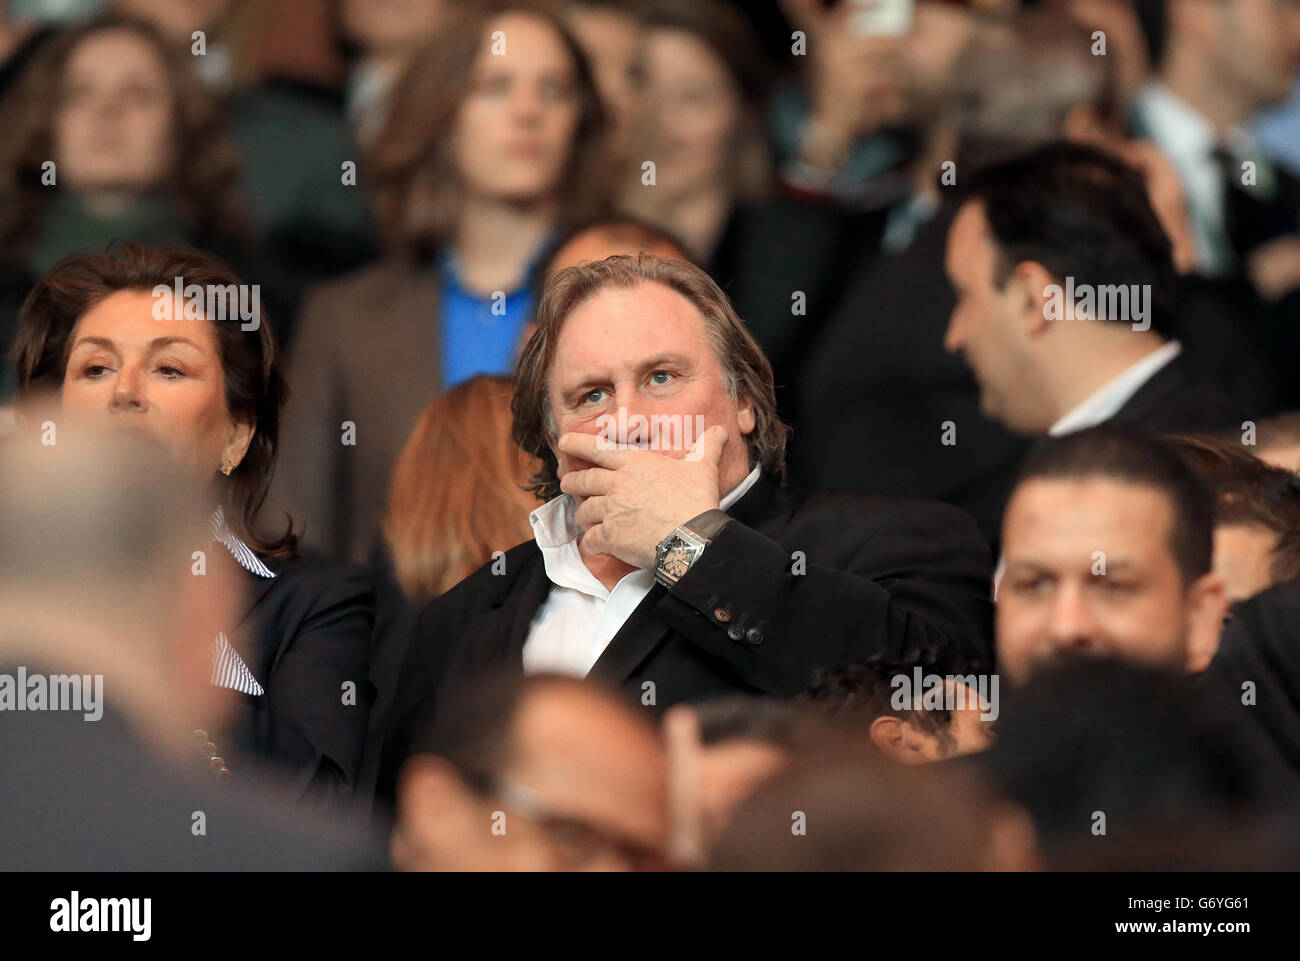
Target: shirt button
(722,615)
(754,636)
(734,632)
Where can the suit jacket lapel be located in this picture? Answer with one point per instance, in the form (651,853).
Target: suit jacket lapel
(248,637)
(530,586)
(1169,378)
(764,508)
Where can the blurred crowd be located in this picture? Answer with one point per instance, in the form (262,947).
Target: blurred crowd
(1013,288)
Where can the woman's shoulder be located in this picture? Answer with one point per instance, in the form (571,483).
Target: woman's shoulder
(309,575)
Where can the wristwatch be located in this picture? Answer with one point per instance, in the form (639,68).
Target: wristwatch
(678,552)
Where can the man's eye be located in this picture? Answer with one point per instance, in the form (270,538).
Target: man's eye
(593,396)
(1112,586)
(1029,585)
(660,377)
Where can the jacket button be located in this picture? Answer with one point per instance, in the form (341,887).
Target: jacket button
(734,632)
(722,615)
(754,636)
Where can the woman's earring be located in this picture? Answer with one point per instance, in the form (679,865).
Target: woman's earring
(227,466)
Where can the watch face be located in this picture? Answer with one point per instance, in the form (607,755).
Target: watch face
(677,561)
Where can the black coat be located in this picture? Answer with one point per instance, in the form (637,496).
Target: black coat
(882,574)
(305,633)
(1173,401)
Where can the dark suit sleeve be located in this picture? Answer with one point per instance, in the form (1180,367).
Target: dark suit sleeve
(921,578)
(313,717)
(413,704)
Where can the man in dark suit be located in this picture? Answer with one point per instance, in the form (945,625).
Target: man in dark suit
(105,659)
(1061,270)
(668,560)
(1063,277)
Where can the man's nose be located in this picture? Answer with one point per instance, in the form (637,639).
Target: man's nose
(1071,626)
(633,417)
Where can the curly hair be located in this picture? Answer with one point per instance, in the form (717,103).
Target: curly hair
(204,188)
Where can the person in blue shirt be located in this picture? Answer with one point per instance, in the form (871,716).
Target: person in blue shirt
(492,144)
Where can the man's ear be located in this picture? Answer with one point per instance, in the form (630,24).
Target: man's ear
(745,416)
(1033,293)
(895,739)
(1207,604)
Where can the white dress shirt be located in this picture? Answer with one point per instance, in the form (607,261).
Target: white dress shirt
(228,668)
(1189,141)
(1104,403)
(580,616)
(1100,406)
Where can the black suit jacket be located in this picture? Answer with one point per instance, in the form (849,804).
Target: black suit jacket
(305,634)
(882,574)
(877,389)
(1173,401)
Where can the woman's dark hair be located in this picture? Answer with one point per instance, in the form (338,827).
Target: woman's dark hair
(204,188)
(250,361)
(417,193)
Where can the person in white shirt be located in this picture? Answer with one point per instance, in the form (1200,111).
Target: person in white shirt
(1222,62)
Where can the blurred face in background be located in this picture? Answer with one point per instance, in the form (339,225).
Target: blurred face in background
(383,27)
(178,19)
(1255,47)
(585,789)
(112,127)
(159,380)
(613,43)
(697,113)
(1060,595)
(514,133)
(926,56)
(987,326)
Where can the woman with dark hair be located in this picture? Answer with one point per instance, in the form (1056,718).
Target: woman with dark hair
(164,344)
(708,80)
(493,141)
(110,136)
